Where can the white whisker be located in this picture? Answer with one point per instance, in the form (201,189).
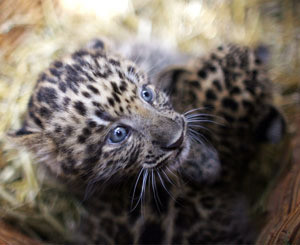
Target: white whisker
(167,177)
(142,195)
(203,121)
(199,126)
(134,190)
(155,195)
(196,109)
(164,186)
(203,116)
(194,136)
(170,171)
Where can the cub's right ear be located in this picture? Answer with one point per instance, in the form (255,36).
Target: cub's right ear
(167,79)
(26,138)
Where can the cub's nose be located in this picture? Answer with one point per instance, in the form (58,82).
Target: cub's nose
(166,133)
(174,145)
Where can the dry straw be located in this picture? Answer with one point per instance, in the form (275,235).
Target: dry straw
(33,33)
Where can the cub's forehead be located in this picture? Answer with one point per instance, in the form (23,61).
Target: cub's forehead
(88,83)
(95,66)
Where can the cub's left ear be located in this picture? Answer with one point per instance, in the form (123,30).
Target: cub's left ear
(262,54)
(272,127)
(97,44)
(167,79)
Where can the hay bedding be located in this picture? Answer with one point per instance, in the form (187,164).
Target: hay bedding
(33,33)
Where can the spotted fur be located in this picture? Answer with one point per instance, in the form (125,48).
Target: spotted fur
(133,191)
(233,90)
(76,103)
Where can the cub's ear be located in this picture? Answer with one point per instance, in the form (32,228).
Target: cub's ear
(262,54)
(167,79)
(43,148)
(272,127)
(31,140)
(36,142)
(98,44)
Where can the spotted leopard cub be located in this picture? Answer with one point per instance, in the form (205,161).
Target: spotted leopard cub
(97,121)
(95,115)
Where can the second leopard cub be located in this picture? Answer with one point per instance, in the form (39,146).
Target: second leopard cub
(97,121)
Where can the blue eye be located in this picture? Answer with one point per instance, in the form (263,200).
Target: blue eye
(118,134)
(147,94)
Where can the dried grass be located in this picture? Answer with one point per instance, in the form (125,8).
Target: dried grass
(33,33)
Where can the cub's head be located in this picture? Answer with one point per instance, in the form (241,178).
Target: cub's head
(96,115)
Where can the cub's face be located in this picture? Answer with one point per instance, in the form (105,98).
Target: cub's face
(96,115)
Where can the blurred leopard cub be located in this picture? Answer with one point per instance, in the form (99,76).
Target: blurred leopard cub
(110,132)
